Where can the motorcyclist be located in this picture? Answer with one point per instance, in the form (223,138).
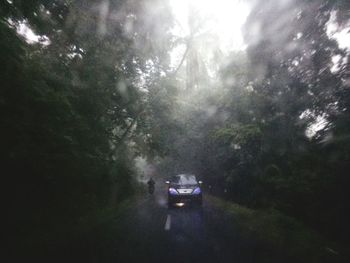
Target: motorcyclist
(151,184)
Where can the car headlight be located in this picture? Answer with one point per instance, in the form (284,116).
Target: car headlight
(196,191)
(173,191)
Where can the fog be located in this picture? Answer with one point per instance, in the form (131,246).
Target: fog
(252,97)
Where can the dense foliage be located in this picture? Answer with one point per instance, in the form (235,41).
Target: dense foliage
(68,101)
(272,131)
(95,89)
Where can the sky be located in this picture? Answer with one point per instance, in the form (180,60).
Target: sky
(221,18)
(342,35)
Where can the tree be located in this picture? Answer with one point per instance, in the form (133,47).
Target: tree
(66,101)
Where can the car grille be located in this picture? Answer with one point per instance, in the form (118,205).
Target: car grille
(184,191)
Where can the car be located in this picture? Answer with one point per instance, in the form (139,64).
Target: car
(184,189)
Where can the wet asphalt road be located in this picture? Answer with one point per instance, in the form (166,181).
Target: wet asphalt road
(154,233)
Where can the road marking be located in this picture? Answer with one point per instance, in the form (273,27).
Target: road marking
(167,223)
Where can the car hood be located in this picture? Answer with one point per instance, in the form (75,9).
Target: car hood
(184,186)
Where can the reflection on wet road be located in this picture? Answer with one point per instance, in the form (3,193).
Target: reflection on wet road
(154,233)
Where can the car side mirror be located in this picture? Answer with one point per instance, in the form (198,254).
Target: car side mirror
(167,182)
(200,182)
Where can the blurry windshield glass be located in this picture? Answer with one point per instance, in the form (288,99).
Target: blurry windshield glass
(184,179)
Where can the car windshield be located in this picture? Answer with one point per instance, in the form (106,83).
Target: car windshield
(239,111)
(184,179)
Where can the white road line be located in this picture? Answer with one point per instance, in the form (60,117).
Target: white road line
(167,223)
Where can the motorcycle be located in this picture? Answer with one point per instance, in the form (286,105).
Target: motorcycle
(151,189)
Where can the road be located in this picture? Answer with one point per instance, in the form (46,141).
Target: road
(153,233)
(143,229)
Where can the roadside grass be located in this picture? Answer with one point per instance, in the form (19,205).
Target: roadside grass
(278,232)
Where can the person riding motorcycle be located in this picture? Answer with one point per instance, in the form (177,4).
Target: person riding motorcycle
(151,184)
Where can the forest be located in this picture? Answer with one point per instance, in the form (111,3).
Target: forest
(89,87)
